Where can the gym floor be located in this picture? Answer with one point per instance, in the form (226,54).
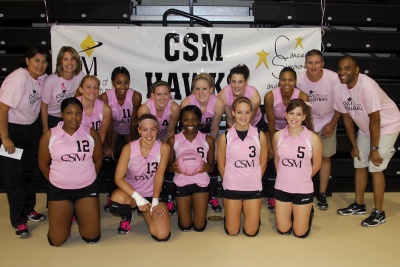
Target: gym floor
(334,241)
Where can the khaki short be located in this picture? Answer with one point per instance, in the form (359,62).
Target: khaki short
(328,144)
(386,150)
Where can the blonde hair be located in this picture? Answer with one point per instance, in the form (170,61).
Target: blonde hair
(203,76)
(78,93)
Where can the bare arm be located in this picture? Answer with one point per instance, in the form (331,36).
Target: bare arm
(122,168)
(172,164)
(97,151)
(269,111)
(275,148)
(5,138)
(44,115)
(44,157)
(175,110)
(227,109)
(349,127)
(375,131)
(209,165)
(304,96)
(316,153)
(263,152)
(137,102)
(159,175)
(255,104)
(222,155)
(106,123)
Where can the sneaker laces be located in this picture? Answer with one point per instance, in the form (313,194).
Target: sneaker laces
(271,202)
(33,214)
(170,205)
(125,224)
(21,227)
(214,202)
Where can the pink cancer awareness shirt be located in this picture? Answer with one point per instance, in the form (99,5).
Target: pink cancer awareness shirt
(198,144)
(280,108)
(56,89)
(22,94)
(321,96)
(141,171)
(364,98)
(72,165)
(121,113)
(295,166)
(242,167)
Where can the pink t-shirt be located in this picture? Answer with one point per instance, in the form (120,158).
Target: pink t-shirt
(208,115)
(280,108)
(72,165)
(364,98)
(294,167)
(95,119)
(22,94)
(56,89)
(321,96)
(164,120)
(141,171)
(242,167)
(248,92)
(200,145)
(121,114)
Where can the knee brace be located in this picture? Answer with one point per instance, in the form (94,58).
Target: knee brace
(124,210)
(302,236)
(92,240)
(200,229)
(183,228)
(288,232)
(161,240)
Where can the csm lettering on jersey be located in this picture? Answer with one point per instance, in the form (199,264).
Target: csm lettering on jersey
(292,163)
(73,157)
(244,163)
(143,177)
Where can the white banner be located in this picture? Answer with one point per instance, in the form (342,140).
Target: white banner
(177,54)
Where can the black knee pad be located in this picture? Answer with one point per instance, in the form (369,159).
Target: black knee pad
(200,229)
(161,240)
(185,229)
(124,210)
(91,240)
(302,236)
(288,232)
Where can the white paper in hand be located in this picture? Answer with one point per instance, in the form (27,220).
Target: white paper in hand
(17,154)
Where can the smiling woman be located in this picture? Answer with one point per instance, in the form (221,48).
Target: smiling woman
(20,96)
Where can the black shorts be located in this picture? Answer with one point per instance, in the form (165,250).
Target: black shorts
(58,194)
(190,189)
(295,198)
(233,194)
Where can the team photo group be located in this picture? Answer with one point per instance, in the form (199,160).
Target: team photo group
(158,157)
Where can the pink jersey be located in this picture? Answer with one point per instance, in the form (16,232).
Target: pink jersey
(248,92)
(141,171)
(364,98)
(121,114)
(208,115)
(198,144)
(56,89)
(294,167)
(72,165)
(321,96)
(242,167)
(280,108)
(164,120)
(22,94)
(95,119)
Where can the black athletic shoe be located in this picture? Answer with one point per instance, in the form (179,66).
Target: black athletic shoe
(354,208)
(376,218)
(214,204)
(22,231)
(321,201)
(36,217)
(107,205)
(271,205)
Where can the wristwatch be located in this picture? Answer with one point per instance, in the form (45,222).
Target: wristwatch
(374,148)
